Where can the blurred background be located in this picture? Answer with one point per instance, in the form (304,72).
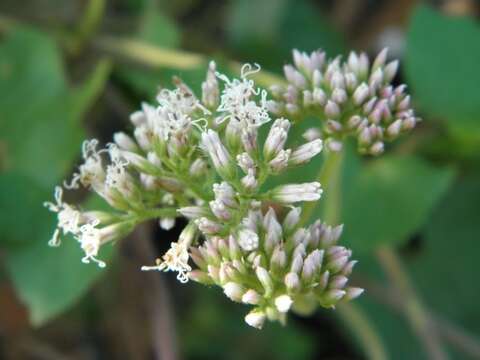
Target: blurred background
(76,69)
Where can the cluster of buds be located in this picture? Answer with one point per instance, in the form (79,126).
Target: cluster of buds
(275,265)
(351,97)
(203,159)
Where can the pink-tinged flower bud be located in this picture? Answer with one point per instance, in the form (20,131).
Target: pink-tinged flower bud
(249,181)
(208,227)
(409,123)
(319,97)
(193,212)
(337,264)
(331,297)
(376,80)
(390,70)
(220,210)
(233,248)
(233,291)
(380,60)
(210,90)
(306,152)
(292,282)
(317,78)
(361,93)
(293,193)
(404,104)
(292,219)
(213,272)
(377,148)
(337,81)
(338,282)
(125,142)
(351,81)
(364,138)
(297,264)
(332,110)
(334,145)
(280,161)
(200,277)
(283,303)
(255,318)
(323,281)
(307,98)
(248,239)
(276,138)
(339,96)
(265,279)
(251,297)
(217,153)
(278,260)
(352,293)
(311,134)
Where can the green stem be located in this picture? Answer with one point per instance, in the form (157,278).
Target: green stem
(352,315)
(156,213)
(361,327)
(88,24)
(413,308)
(329,177)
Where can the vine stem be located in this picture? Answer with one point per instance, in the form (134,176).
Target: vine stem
(413,308)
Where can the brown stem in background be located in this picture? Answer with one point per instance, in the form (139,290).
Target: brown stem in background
(453,334)
(158,299)
(413,308)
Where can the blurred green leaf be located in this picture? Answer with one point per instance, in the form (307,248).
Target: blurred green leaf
(446,269)
(389,199)
(442,58)
(40,127)
(221,323)
(268,34)
(21,202)
(39,115)
(155,29)
(50,280)
(158,29)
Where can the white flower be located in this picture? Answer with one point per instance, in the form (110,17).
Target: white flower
(238,99)
(68,217)
(248,239)
(90,240)
(175,259)
(91,172)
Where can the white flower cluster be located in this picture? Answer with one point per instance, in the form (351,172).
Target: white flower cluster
(275,265)
(350,97)
(205,160)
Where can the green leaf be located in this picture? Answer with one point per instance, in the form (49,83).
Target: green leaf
(445,270)
(155,29)
(21,202)
(442,58)
(389,199)
(268,34)
(39,114)
(51,280)
(41,132)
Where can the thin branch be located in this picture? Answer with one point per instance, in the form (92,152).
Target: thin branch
(163,324)
(412,306)
(362,328)
(453,334)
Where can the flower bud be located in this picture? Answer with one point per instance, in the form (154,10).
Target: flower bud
(251,297)
(233,291)
(283,303)
(255,318)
